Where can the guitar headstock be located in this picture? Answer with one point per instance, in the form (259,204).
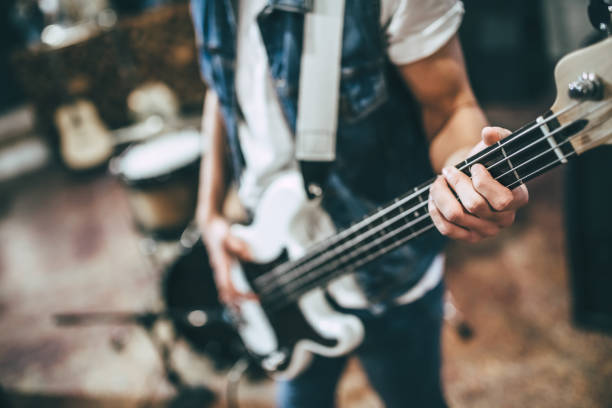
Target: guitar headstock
(584,91)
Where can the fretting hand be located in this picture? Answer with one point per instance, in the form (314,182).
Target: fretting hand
(484,205)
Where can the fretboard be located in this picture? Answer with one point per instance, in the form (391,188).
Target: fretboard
(528,152)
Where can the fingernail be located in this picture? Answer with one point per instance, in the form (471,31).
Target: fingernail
(446,171)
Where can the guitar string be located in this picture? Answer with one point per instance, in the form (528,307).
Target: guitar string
(416,221)
(352,257)
(372,232)
(283,268)
(289,297)
(387,222)
(299,271)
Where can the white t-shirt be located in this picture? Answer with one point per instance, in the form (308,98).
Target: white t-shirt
(415,29)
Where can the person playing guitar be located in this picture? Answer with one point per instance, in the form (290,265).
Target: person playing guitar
(407,112)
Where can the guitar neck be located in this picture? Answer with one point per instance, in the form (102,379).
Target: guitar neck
(528,152)
(581,121)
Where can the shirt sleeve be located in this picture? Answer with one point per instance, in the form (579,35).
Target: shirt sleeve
(416,29)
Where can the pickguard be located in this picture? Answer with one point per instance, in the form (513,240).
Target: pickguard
(284,338)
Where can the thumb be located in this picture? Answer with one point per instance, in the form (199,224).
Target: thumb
(493,134)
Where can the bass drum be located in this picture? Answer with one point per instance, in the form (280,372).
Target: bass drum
(189,289)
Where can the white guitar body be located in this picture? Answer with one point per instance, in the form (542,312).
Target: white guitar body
(286,220)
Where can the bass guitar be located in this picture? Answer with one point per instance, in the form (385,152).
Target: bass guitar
(291,318)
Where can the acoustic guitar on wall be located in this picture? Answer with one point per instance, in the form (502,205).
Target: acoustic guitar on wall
(85,141)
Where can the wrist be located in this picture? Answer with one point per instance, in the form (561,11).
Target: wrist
(206,216)
(457,157)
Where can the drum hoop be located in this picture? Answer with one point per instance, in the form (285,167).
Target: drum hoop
(151,181)
(156,181)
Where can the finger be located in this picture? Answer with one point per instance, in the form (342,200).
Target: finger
(499,197)
(237,247)
(453,211)
(445,227)
(228,293)
(493,134)
(469,197)
(223,279)
(521,196)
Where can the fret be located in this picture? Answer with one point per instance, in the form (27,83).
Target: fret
(403,209)
(538,155)
(500,167)
(417,213)
(538,171)
(506,159)
(511,167)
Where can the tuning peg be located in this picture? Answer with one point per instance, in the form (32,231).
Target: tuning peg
(600,15)
(587,86)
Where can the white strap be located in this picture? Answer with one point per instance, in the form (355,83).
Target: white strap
(320,82)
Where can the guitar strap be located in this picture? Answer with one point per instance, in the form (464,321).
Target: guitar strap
(319,88)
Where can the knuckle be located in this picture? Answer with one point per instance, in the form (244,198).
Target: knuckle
(453,178)
(443,228)
(433,190)
(478,181)
(432,212)
(455,215)
(476,205)
(503,201)
(437,184)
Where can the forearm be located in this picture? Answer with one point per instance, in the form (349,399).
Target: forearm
(213,175)
(452,119)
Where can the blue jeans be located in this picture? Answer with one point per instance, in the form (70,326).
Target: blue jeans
(400,355)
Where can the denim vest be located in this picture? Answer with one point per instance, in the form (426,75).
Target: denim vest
(381,149)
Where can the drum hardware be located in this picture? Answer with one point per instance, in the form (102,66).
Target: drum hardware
(187,395)
(188,285)
(233,380)
(160,177)
(153,98)
(139,131)
(150,127)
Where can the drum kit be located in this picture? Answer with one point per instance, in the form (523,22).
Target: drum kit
(159,176)
(159,172)
(160,179)
(156,161)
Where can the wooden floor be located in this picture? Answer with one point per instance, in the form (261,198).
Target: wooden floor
(67,244)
